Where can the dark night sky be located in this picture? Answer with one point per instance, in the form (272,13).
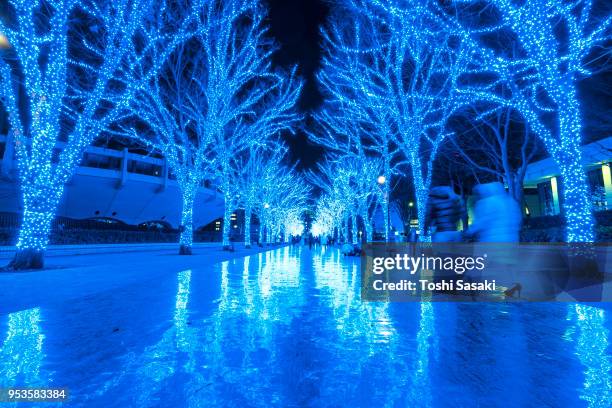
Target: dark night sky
(295,25)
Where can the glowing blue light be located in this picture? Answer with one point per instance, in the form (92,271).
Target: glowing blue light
(591,348)
(540,83)
(283,201)
(48,148)
(180,311)
(21,355)
(394,72)
(350,191)
(232,105)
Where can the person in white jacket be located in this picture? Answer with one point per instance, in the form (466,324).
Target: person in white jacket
(497,216)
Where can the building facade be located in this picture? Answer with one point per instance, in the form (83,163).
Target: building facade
(543,185)
(116,185)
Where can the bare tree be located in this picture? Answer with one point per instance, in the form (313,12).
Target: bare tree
(402,72)
(499,145)
(169,106)
(534,69)
(72,68)
(257,169)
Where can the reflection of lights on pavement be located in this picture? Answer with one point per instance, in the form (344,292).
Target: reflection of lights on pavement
(591,336)
(385,328)
(21,354)
(180,308)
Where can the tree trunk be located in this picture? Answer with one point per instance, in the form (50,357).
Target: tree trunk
(354,238)
(186,238)
(385,208)
(421,192)
(368,228)
(575,197)
(39,211)
(261,233)
(7,160)
(27,258)
(515,184)
(227,215)
(574,193)
(247,226)
(346,230)
(386,191)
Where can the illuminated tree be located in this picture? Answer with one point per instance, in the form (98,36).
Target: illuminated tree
(294,222)
(345,126)
(402,71)
(543,48)
(350,182)
(328,216)
(366,197)
(335,184)
(64,80)
(245,101)
(169,105)
(257,170)
(341,133)
(216,107)
(287,215)
(283,199)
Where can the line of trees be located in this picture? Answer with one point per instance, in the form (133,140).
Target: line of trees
(350,196)
(398,73)
(192,80)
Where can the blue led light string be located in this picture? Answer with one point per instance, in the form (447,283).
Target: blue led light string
(541,72)
(350,193)
(283,200)
(232,102)
(247,102)
(62,88)
(396,71)
(255,170)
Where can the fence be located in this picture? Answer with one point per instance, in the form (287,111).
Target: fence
(66,231)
